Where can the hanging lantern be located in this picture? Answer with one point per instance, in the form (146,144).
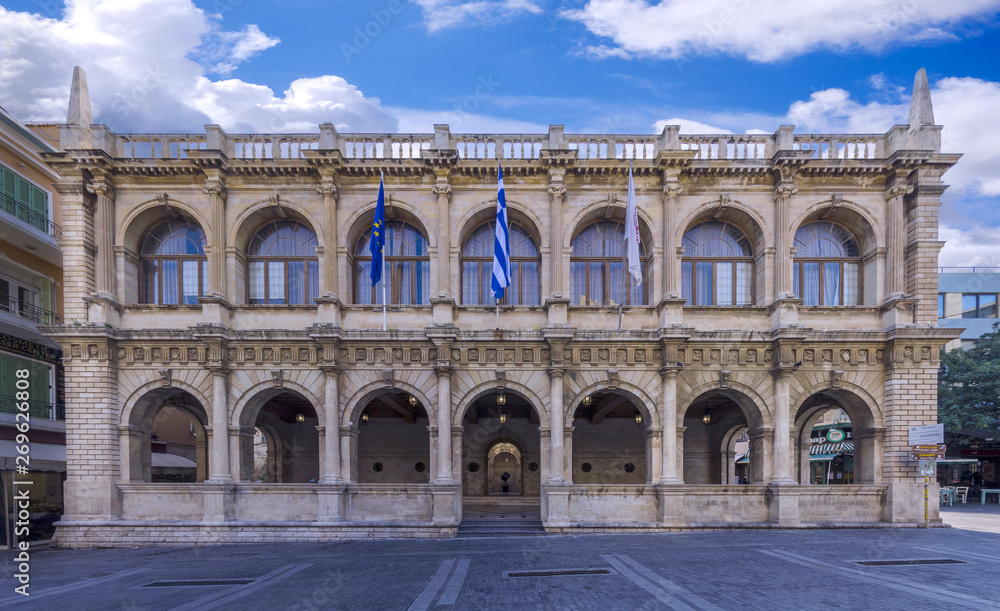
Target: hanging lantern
(413,401)
(501,398)
(300,417)
(587,401)
(364,418)
(503,418)
(638,418)
(707,418)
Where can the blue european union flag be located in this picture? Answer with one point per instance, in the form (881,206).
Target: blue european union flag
(378,235)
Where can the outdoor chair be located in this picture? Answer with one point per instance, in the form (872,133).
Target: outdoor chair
(962,493)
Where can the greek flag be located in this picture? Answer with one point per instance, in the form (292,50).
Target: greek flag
(378,235)
(501,246)
(632,231)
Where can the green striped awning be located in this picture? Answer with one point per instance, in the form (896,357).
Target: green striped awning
(832,448)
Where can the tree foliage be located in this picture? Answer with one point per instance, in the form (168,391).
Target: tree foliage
(969,390)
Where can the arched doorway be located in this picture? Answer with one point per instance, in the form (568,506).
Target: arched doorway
(281,443)
(393,441)
(504,473)
(167,440)
(609,440)
(836,441)
(500,435)
(714,424)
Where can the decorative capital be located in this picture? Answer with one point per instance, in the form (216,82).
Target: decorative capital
(898,190)
(442,189)
(328,189)
(331,370)
(556,372)
(102,189)
(783,192)
(672,189)
(557,190)
(443,370)
(212,189)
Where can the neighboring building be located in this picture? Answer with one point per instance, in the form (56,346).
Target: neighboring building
(30,282)
(226,277)
(967,299)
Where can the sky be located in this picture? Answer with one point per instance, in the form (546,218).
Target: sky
(595,66)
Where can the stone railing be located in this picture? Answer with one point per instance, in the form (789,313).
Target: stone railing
(733,147)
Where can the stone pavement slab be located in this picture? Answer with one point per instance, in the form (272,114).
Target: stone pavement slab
(694,570)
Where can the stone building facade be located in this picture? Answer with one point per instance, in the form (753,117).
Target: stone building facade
(227,276)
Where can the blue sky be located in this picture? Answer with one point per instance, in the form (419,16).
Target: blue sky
(618,66)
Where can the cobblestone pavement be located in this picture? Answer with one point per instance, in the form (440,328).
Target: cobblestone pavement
(698,570)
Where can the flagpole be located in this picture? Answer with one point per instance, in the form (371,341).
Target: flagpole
(384,302)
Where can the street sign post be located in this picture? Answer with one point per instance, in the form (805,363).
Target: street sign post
(927,434)
(928,451)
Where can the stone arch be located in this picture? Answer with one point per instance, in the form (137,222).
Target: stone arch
(638,397)
(745,217)
(245,226)
(148,214)
(361,220)
(516,213)
(866,428)
(360,399)
(754,406)
(248,406)
(598,211)
(137,425)
(133,411)
(853,217)
(489,387)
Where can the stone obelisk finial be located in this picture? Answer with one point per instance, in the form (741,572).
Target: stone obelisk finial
(79,112)
(921,111)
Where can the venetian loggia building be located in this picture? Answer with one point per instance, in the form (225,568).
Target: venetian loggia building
(225,278)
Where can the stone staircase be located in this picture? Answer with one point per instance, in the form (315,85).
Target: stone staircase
(498,516)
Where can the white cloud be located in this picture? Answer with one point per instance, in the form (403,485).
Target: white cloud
(769,31)
(461,122)
(241,46)
(689,127)
(969,247)
(442,14)
(142,63)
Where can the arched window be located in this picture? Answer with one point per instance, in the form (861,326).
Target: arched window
(407,267)
(827,265)
(598,274)
(717,266)
(477,267)
(282,264)
(172,262)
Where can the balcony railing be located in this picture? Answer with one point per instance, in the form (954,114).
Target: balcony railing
(969,270)
(30,312)
(39,221)
(37,409)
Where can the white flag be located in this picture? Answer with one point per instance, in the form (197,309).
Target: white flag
(632,231)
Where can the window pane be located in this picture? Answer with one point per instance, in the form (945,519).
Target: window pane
(969,303)
(150,290)
(170,286)
(423,279)
(810,284)
(275,282)
(256,282)
(616,283)
(988,306)
(470,283)
(296,282)
(529,283)
(313,281)
(796,270)
(578,283)
(703,291)
(744,283)
(686,270)
(404,277)
(637,292)
(851,284)
(831,284)
(595,292)
(724,283)
(189,281)
(486,283)
(940,305)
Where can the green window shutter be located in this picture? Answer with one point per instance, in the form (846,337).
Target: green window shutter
(23,192)
(9,184)
(45,289)
(39,203)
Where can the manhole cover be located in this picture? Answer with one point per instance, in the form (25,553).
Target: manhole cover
(906,562)
(198,582)
(556,572)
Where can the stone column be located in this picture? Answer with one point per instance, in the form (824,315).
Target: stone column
(668,397)
(456,453)
(782,470)
(670,277)
(104,238)
(896,238)
(331,407)
(557,190)
(443,192)
(568,454)
(217,193)
(348,455)
(556,426)
(220,426)
(654,454)
(444,475)
(783,239)
(328,189)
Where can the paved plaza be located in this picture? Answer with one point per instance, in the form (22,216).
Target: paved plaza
(778,569)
